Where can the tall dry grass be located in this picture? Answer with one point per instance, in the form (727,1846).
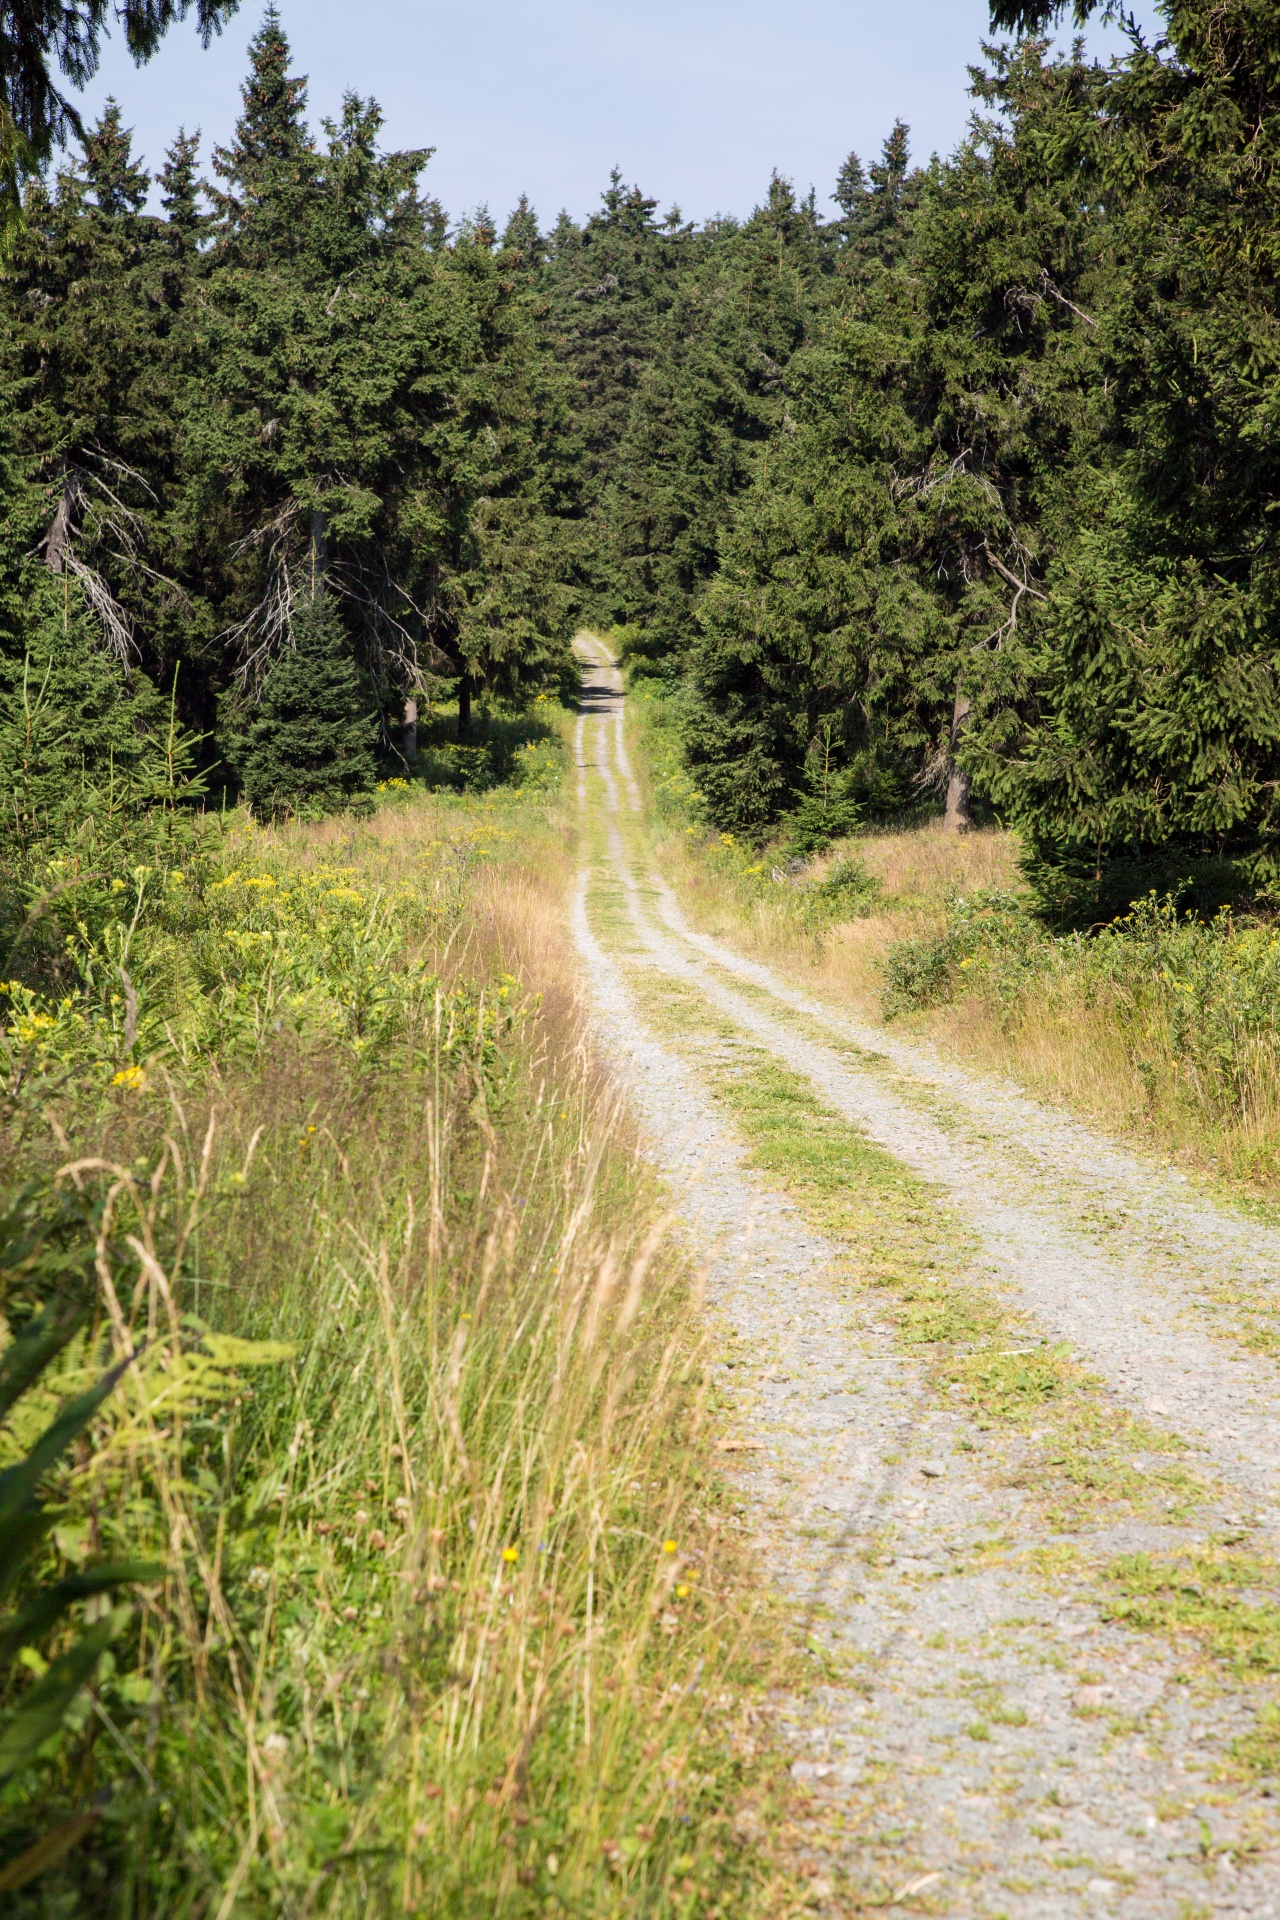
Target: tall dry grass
(913,872)
(457,1619)
(1099,1028)
(1167,1035)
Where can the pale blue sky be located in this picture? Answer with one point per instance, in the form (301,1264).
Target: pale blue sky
(697,100)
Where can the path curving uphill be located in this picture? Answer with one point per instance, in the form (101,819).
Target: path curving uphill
(997,1743)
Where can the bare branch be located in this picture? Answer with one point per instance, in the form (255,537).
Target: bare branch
(1023,586)
(267,626)
(117,628)
(1054,293)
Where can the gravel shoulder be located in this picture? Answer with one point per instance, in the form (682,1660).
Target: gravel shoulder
(981,1739)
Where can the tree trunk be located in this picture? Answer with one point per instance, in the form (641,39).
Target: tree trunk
(410,727)
(319,549)
(958,817)
(464,706)
(55,544)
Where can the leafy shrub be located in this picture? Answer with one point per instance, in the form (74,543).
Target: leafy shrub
(918,972)
(215,948)
(989,943)
(1197,1002)
(846,891)
(520,750)
(1201,1000)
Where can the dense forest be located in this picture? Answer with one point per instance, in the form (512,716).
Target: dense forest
(956,487)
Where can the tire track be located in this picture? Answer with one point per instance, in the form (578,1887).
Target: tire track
(1051,1814)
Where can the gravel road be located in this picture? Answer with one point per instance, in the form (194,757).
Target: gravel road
(991,1744)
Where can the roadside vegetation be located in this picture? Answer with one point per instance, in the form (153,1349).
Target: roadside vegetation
(388,1563)
(1162,1024)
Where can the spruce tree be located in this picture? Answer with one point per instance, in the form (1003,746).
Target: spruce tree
(270,166)
(878,595)
(309,745)
(36,36)
(180,197)
(95,356)
(117,184)
(521,235)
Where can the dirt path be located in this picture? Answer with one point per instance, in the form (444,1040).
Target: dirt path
(993,1745)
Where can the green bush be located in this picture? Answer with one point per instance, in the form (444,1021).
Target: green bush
(990,943)
(1197,1001)
(520,750)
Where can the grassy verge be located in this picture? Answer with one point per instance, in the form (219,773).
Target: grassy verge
(453,1618)
(1162,1029)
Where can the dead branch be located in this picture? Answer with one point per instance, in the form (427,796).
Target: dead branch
(117,628)
(267,629)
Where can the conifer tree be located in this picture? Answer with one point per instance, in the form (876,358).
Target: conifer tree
(309,745)
(703,414)
(609,285)
(521,235)
(95,362)
(876,208)
(180,197)
(372,410)
(36,36)
(269,169)
(117,184)
(877,593)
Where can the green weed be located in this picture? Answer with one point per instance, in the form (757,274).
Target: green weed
(1216,1597)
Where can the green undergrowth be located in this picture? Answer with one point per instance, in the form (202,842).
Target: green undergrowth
(453,1617)
(520,751)
(1191,1007)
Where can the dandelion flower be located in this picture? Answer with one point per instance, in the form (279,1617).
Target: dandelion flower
(668,1546)
(682,1592)
(511,1555)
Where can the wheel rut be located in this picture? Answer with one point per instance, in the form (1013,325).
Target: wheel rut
(984,1739)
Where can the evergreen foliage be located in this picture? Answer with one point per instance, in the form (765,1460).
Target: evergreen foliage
(299,372)
(310,742)
(963,488)
(37,36)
